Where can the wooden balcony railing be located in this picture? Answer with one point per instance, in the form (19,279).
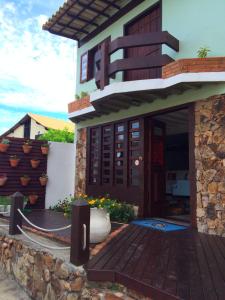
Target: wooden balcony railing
(107,70)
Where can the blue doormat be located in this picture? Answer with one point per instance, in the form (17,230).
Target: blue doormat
(159,225)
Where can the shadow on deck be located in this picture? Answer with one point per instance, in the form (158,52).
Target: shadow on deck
(171,265)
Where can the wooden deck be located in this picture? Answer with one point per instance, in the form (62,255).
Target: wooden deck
(172,265)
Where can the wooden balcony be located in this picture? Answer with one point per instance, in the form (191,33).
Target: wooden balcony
(107,70)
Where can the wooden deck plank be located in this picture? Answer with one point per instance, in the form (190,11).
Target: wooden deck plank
(218,281)
(208,287)
(179,265)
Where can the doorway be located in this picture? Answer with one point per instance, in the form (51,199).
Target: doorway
(167,171)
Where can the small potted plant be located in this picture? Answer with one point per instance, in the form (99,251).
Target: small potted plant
(14,161)
(33,197)
(43,179)
(3,179)
(24,180)
(45,149)
(4,145)
(27,146)
(35,163)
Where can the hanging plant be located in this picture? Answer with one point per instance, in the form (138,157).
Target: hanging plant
(45,149)
(14,161)
(35,163)
(24,180)
(33,197)
(43,179)
(3,179)
(27,146)
(4,145)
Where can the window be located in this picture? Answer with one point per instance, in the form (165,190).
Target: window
(90,63)
(115,153)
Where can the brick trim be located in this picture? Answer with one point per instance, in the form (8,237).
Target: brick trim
(79,104)
(194,65)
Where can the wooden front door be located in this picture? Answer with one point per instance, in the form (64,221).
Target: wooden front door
(155,169)
(149,22)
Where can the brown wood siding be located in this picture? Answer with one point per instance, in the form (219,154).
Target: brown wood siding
(13,184)
(150,21)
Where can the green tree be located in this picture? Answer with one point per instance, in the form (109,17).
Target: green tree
(56,135)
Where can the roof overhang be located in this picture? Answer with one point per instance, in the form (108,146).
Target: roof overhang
(81,20)
(122,95)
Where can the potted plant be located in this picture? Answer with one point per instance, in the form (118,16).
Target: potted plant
(3,179)
(14,161)
(35,163)
(27,146)
(33,197)
(4,145)
(45,149)
(43,179)
(24,180)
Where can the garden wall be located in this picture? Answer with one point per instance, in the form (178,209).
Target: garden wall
(61,172)
(24,168)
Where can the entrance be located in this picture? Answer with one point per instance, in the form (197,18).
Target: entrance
(167,181)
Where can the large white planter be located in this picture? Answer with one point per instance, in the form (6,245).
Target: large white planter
(100,225)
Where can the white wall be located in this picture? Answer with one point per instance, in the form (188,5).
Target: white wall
(18,132)
(61,172)
(36,129)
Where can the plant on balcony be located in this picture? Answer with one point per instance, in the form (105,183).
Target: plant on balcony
(24,180)
(27,146)
(3,179)
(43,179)
(45,149)
(4,145)
(35,163)
(81,96)
(203,52)
(14,161)
(33,197)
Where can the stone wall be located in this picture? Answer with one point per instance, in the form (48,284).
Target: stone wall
(210,164)
(45,276)
(80,184)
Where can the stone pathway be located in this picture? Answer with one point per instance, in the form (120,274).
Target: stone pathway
(10,290)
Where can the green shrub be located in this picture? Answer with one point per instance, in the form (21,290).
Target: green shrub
(203,52)
(119,212)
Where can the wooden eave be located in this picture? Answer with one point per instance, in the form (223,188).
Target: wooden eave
(81,20)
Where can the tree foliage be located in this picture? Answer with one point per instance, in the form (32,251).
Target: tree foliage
(56,135)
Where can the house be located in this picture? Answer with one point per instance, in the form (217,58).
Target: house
(32,125)
(152,130)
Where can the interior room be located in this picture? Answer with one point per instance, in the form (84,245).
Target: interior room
(177,192)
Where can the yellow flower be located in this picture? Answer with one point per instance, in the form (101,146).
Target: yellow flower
(91,202)
(102,200)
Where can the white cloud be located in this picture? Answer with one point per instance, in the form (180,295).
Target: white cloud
(8,119)
(37,69)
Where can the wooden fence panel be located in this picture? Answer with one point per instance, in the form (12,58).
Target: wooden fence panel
(24,168)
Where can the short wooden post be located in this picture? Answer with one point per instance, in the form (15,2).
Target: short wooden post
(80,233)
(15,217)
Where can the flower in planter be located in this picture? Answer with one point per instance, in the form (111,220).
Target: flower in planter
(24,180)
(43,179)
(3,179)
(27,146)
(14,161)
(45,149)
(4,145)
(33,197)
(35,163)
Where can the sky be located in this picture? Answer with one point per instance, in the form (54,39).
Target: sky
(37,69)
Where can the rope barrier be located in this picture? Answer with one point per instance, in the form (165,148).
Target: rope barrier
(40,244)
(42,229)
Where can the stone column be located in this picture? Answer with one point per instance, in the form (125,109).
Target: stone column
(80,182)
(210,164)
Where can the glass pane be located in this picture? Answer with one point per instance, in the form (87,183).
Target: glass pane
(105,180)
(135,144)
(135,125)
(106,139)
(119,172)
(135,181)
(158,131)
(119,163)
(119,180)
(119,154)
(135,153)
(106,172)
(135,134)
(106,163)
(120,137)
(120,128)
(106,155)
(107,129)
(106,147)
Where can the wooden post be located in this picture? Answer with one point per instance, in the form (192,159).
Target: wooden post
(80,233)
(15,217)
(104,65)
